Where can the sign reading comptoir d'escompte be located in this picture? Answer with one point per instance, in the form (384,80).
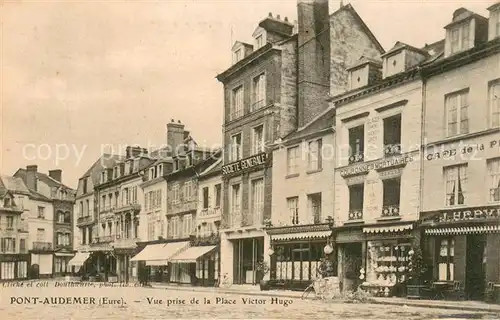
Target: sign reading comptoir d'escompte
(244,164)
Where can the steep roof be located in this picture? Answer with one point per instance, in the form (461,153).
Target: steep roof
(215,167)
(21,173)
(12,184)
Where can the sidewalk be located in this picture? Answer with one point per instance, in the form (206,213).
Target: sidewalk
(473,306)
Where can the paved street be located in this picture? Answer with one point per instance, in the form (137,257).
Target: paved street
(149,303)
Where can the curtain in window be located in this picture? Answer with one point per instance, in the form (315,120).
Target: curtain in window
(494,177)
(452,115)
(258,199)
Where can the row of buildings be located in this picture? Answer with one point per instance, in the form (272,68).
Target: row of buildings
(36,225)
(330,142)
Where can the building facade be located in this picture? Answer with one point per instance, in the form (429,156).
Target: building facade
(14,256)
(461,167)
(304,161)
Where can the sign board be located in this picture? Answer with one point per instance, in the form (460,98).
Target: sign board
(376,165)
(465,214)
(244,164)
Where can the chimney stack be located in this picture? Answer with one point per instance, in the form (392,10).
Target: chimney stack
(313,59)
(31,178)
(175,136)
(135,151)
(56,174)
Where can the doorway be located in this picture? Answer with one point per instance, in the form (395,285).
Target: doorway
(352,263)
(247,252)
(475,268)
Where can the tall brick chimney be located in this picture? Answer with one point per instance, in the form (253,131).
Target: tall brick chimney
(313,58)
(56,174)
(31,179)
(175,136)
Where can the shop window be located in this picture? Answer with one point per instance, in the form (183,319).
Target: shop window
(445,261)
(456,184)
(314,201)
(392,135)
(297,261)
(7,270)
(356,144)
(494,179)
(356,198)
(391,197)
(387,263)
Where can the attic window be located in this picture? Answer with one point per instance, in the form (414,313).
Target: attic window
(259,41)
(459,38)
(6,203)
(237,55)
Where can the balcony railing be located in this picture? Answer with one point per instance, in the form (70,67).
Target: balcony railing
(64,246)
(392,150)
(85,220)
(391,210)
(105,239)
(209,212)
(359,157)
(355,214)
(42,246)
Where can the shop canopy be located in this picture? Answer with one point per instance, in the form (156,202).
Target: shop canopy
(463,230)
(302,235)
(394,228)
(159,254)
(191,254)
(79,259)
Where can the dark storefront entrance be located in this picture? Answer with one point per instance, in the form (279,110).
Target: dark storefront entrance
(247,252)
(474,266)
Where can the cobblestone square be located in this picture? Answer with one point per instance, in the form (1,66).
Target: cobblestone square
(149,303)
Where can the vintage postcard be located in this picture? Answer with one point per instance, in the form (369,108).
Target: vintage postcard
(281,159)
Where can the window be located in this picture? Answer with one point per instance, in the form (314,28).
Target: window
(445,259)
(40,234)
(391,197)
(292,158)
(187,225)
(22,245)
(80,214)
(103,176)
(60,217)
(89,209)
(205,198)
(236,103)
(257,205)
(41,212)
(457,119)
(259,41)
(7,270)
(6,202)
(456,183)
(135,165)
(392,135)
(8,245)
(152,173)
(494,102)
(314,202)
(258,139)
(134,194)
(116,172)
(175,194)
(237,55)
(159,170)
(85,185)
(235,198)
(356,200)
(314,156)
(174,227)
(494,179)
(236,148)
(218,194)
(293,209)
(10,222)
(356,144)
(460,38)
(495,20)
(188,190)
(258,92)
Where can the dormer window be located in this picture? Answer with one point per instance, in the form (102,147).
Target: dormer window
(237,55)
(259,41)
(103,176)
(159,170)
(466,30)
(394,63)
(116,172)
(460,38)
(136,165)
(494,22)
(176,164)
(6,203)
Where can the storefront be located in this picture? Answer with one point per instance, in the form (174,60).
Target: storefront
(296,254)
(247,252)
(14,266)
(375,257)
(78,264)
(463,247)
(61,263)
(197,265)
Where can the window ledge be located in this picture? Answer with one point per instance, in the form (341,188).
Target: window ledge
(290,176)
(314,171)
(389,218)
(355,221)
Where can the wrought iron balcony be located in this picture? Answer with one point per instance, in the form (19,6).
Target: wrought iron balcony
(42,246)
(392,150)
(210,212)
(355,214)
(359,157)
(391,210)
(213,239)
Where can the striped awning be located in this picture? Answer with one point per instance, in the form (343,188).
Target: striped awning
(463,230)
(302,235)
(384,229)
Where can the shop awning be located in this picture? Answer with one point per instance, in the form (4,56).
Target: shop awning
(150,252)
(191,254)
(463,230)
(302,235)
(79,259)
(383,229)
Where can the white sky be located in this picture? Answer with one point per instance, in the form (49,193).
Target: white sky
(86,73)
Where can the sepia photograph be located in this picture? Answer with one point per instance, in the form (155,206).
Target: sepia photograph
(250,159)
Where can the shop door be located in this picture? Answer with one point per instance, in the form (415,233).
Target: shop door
(353,261)
(475,269)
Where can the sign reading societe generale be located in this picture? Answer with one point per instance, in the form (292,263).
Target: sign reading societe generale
(244,164)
